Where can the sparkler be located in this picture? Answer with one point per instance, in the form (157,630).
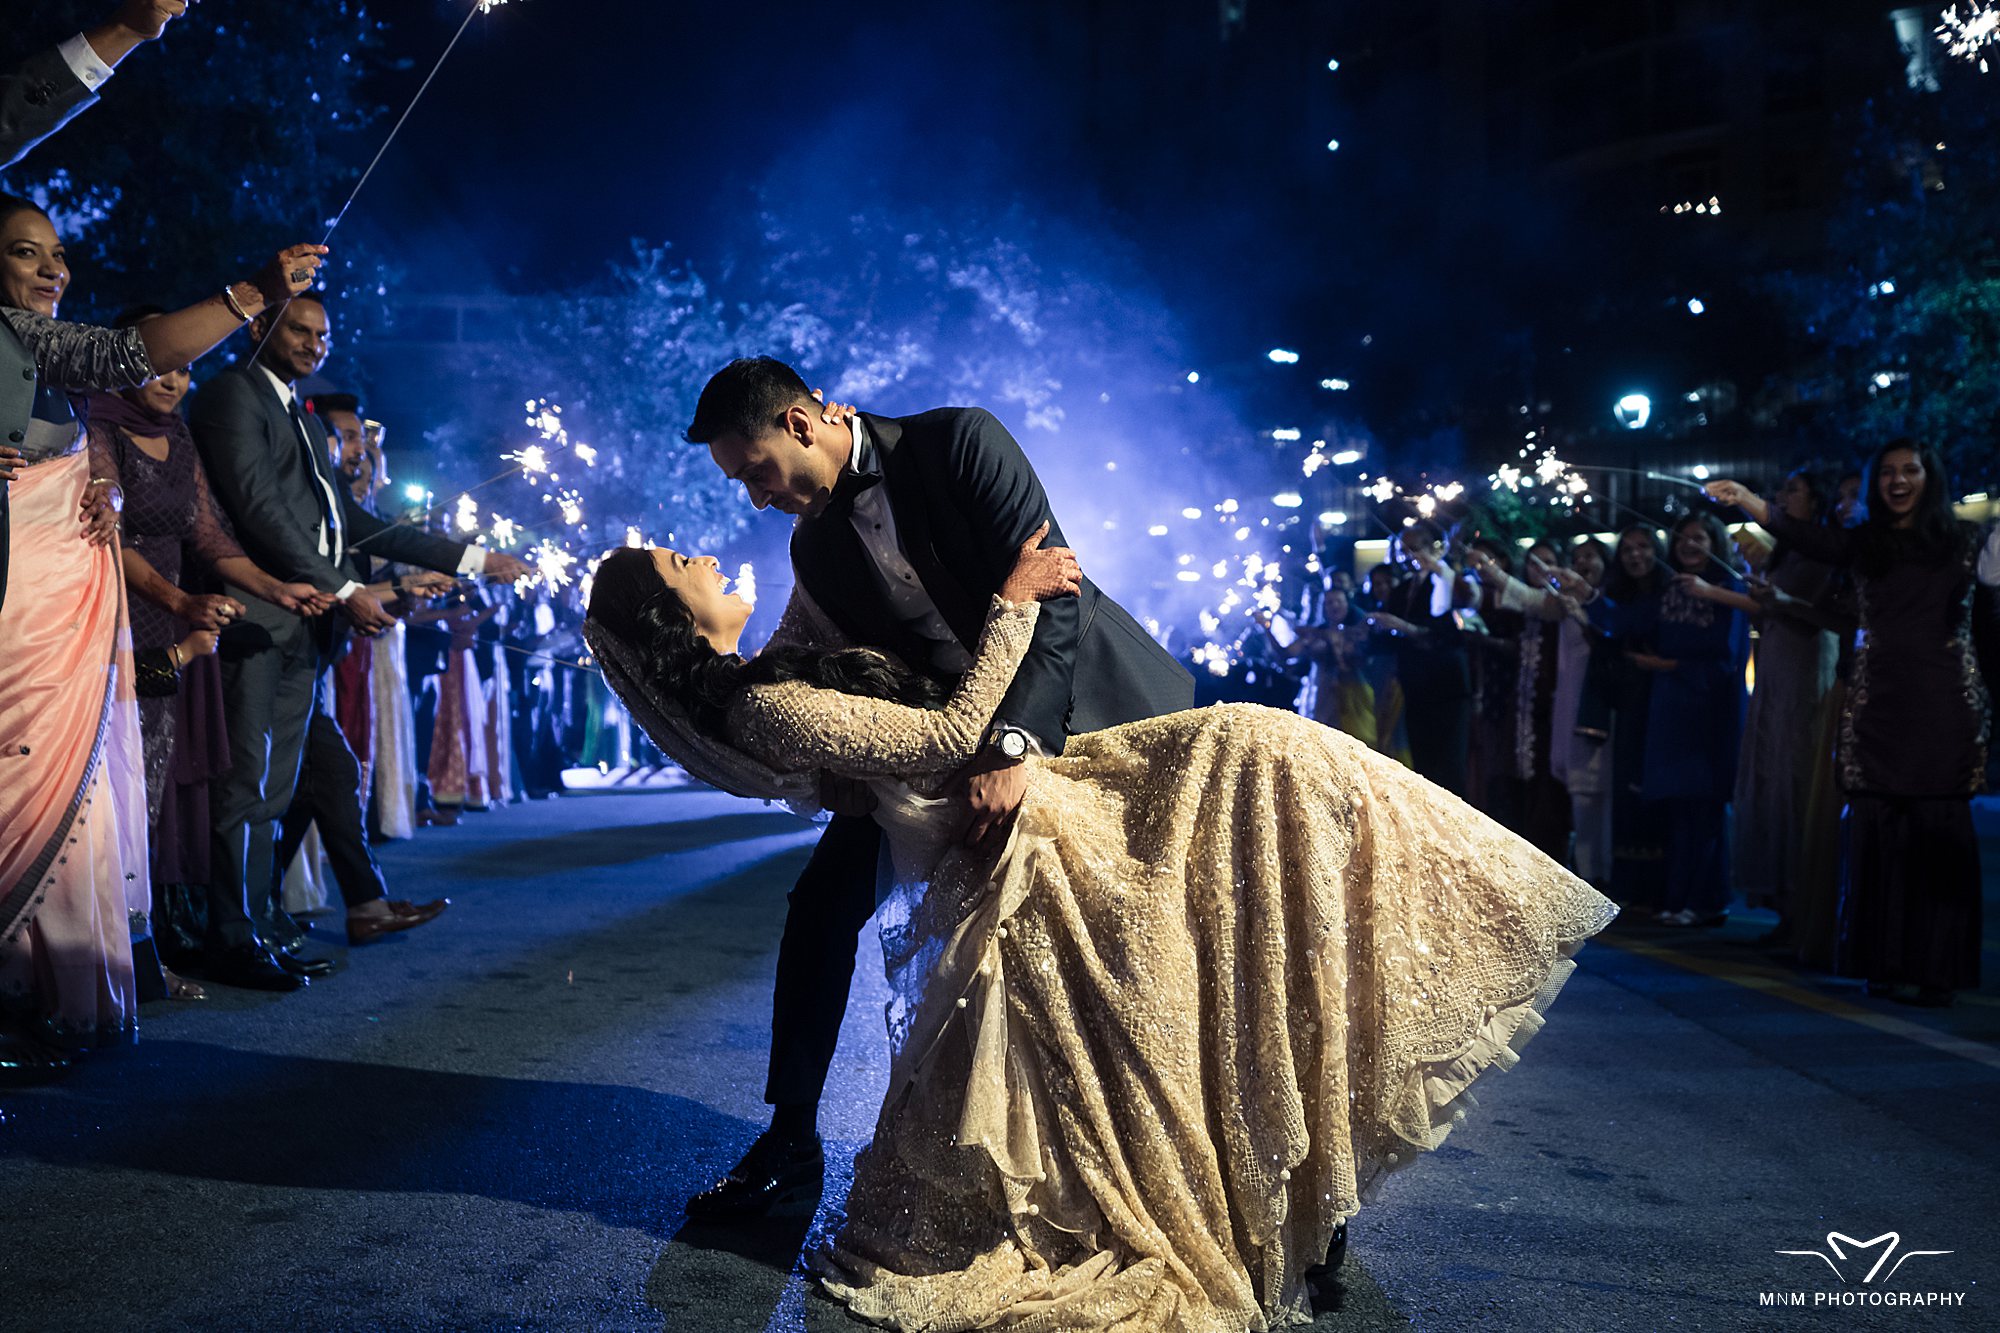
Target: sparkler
(333,225)
(552,565)
(745,583)
(1968,35)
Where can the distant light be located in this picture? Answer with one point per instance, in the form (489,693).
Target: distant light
(1691,397)
(1287,433)
(1887,286)
(1157,530)
(1332,518)
(1110,467)
(1883,379)
(1634,411)
(414,493)
(1190,512)
(1336,386)
(1288,499)
(1700,471)
(1333,65)
(1194,377)
(1695,306)
(1283,356)
(1333,145)
(1977,497)
(1346,456)
(1189,576)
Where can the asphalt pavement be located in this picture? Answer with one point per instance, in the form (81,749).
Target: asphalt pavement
(494,1123)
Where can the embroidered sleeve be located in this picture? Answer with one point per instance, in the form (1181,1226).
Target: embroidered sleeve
(799,727)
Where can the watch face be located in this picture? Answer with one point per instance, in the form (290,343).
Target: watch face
(1013,744)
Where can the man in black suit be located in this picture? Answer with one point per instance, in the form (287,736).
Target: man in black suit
(906,528)
(268,461)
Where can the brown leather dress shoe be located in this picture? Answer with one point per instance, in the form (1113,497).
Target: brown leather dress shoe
(403,907)
(401,916)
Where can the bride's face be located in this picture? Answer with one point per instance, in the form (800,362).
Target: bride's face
(719,615)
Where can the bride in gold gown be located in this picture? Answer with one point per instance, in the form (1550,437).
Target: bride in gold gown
(1230,969)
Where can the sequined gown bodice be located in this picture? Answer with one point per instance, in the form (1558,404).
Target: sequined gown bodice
(1230,969)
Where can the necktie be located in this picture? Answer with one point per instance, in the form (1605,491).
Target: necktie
(322,488)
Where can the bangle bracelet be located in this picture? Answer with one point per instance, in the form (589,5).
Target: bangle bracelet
(174,651)
(235,306)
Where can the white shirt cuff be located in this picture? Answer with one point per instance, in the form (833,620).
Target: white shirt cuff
(473,563)
(347,590)
(83,61)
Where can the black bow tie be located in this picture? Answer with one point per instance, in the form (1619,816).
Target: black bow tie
(848,487)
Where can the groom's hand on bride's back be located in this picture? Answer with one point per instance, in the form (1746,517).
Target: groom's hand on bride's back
(993,786)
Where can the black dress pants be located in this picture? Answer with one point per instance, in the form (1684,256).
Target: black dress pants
(268,699)
(328,793)
(832,901)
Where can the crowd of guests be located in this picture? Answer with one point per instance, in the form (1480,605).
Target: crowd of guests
(1791,716)
(204,625)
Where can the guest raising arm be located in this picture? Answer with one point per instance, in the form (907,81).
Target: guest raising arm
(41,95)
(1913,729)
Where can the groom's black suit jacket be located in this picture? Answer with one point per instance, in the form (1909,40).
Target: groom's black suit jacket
(964,498)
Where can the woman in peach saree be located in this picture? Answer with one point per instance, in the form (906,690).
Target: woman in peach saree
(72,787)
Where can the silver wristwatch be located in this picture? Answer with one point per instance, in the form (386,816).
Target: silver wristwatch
(1013,741)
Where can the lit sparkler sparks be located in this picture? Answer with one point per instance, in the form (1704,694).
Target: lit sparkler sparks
(533,460)
(466,515)
(1967,35)
(552,565)
(570,503)
(745,584)
(505,531)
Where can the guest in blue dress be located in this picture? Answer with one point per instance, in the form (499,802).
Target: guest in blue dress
(1694,640)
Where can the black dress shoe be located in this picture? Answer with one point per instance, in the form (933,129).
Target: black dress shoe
(777,1174)
(26,1056)
(250,966)
(304,967)
(281,933)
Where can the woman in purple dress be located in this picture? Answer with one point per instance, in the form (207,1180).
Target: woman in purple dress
(140,444)
(1913,730)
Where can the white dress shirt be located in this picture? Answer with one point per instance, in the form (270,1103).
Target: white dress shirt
(83,62)
(875,524)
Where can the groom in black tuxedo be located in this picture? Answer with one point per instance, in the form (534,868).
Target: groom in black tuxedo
(907,526)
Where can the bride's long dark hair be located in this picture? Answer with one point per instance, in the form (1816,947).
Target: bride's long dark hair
(630,600)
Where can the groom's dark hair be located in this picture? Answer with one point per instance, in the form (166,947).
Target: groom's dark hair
(746,397)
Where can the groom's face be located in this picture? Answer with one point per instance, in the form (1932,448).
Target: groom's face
(782,468)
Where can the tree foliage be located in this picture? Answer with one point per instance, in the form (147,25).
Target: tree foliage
(893,310)
(237,133)
(1905,312)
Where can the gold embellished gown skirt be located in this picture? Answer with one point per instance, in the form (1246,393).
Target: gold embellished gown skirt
(1231,970)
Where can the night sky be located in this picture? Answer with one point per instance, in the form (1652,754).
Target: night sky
(561,129)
